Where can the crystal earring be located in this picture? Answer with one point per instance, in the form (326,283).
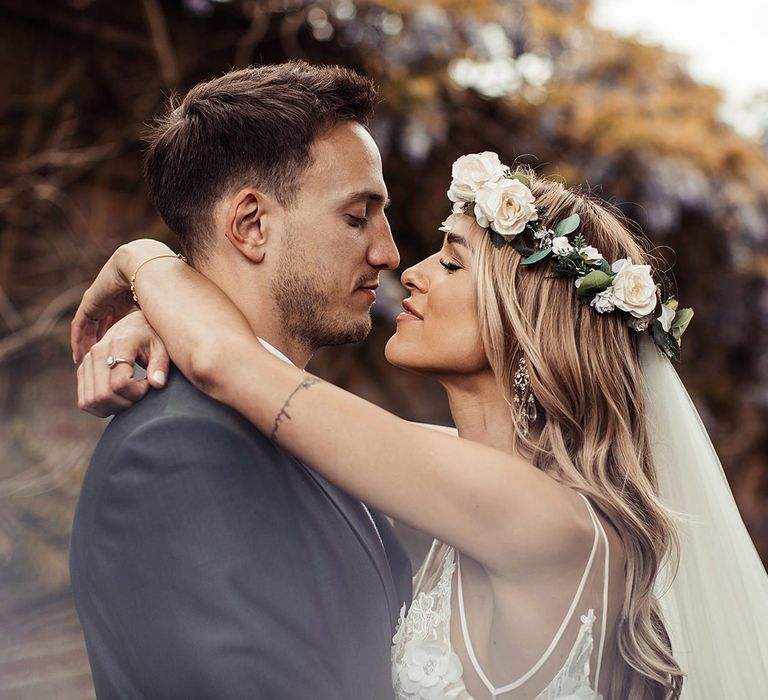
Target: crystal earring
(524,400)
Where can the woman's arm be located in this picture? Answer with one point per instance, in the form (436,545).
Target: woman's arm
(497,508)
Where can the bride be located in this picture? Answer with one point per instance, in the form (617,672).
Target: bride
(552,572)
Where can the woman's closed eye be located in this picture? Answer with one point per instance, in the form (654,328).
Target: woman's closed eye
(450,266)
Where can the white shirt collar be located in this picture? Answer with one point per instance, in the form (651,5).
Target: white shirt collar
(274,351)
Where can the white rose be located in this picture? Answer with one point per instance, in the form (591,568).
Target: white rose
(666,318)
(633,288)
(561,246)
(604,302)
(506,205)
(471,173)
(590,254)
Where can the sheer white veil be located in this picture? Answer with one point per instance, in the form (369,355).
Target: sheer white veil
(716,608)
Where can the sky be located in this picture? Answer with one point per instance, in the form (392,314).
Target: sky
(726,43)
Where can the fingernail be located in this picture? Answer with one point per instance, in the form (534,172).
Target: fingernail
(159,377)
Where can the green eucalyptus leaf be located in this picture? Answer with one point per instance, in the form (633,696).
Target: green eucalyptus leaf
(680,322)
(568,225)
(596,281)
(538,255)
(605,267)
(523,179)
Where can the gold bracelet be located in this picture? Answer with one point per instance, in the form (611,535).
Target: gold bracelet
(157,257)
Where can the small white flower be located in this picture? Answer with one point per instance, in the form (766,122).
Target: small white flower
(449,225)
(472,172)
(590,254)
(428,668)
(507,205)
(633,288)
(543,233)
(603,302)
(561,246)
(666,318)
(641,324)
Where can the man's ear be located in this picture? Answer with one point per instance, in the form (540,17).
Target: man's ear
(246,228)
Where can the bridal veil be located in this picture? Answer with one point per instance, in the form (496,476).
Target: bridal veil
(716,608)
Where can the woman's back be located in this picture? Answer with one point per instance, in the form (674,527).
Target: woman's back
(536,634)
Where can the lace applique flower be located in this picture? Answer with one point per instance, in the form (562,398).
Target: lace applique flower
(428,669)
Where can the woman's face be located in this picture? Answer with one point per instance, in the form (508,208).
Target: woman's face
(438,332)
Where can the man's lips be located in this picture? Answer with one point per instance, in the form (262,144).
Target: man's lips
(369,290)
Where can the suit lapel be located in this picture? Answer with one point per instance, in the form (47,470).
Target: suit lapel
(355,515)
(399,561)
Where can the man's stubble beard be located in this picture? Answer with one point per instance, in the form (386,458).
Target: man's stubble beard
(300,292)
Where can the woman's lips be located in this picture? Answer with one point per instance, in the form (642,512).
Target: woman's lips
(410,313)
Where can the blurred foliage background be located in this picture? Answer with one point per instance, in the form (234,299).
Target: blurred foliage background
(531,79)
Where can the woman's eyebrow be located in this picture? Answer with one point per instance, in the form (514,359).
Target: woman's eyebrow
(458,240)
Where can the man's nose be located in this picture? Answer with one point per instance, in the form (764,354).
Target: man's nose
(383,253)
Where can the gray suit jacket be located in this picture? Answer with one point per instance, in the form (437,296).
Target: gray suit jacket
(208,563)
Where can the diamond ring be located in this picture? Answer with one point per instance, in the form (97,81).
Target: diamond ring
(113,361)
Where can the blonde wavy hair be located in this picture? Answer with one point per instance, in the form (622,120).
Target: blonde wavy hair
(590,432)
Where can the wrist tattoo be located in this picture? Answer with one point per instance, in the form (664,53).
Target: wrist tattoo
(283,414)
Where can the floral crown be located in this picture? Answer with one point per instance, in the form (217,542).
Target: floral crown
(501,201)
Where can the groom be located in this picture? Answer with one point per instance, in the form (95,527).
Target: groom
(206,561)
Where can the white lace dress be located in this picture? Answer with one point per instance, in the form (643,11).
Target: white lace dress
(425,666)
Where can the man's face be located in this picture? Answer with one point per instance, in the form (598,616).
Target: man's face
(335,241)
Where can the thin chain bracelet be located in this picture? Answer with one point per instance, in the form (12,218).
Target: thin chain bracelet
(157,257)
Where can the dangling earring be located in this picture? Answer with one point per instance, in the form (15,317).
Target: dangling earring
(525,402)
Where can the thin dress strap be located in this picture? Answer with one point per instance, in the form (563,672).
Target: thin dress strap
(468,641)
(606,575)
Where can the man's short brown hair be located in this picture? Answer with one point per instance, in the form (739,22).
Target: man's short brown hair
(254,127)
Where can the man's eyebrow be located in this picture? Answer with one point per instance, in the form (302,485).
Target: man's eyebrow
(458,240)
(368,195)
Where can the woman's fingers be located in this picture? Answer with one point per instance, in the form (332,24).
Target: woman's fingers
(87,367)
(93,318)
(157,364)
(106,382)
(109,298)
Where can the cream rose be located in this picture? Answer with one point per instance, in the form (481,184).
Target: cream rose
(507,206)
(473,172)
(633,288)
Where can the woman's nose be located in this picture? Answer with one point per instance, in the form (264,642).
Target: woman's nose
(414,278)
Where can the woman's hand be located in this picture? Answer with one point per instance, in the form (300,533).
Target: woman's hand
(103,390)
(109,298)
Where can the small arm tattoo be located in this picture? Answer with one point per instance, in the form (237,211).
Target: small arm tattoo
(283,414)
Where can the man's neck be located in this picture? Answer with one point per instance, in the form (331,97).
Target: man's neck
(255,303)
